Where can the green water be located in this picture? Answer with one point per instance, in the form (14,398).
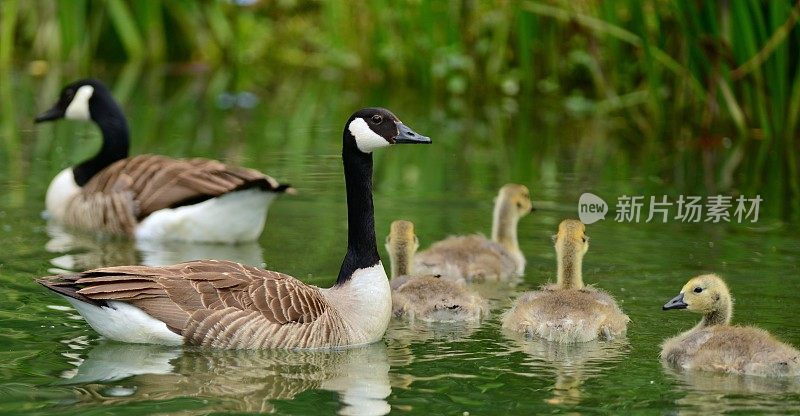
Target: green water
(51,362)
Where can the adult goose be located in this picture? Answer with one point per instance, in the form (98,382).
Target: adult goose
(151,196)
(229,305)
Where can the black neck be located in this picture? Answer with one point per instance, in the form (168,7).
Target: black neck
(108,116)
(362,249)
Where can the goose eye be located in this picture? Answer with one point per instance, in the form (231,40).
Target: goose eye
(698,289)
(377,119)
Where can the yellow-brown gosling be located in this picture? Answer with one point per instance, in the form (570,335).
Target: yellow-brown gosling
(476,257)
(567,311)
(424,297)
(715,345)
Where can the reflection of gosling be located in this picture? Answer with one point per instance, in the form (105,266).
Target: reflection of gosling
(568,311)
(426,298)
(714,345)
(475,256)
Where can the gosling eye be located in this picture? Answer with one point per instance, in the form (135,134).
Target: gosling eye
(698,289)
(377,119)
(585,239)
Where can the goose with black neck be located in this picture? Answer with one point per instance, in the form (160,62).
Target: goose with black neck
(227,305)
(151,196)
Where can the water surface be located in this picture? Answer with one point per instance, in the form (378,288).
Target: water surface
(51,362)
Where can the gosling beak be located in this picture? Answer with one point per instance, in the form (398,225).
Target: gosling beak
(675,303)
(407,136)
(51,114)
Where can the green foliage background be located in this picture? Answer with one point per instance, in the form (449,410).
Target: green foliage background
(704,96)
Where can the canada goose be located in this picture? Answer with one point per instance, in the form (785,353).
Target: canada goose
(568,311)
(427,298)
(715,345)
(476,257)
(151,196)
(228,305)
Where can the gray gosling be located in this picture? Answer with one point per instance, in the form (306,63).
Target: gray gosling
(568,311)
(474,257)
(715,345)
(424,297)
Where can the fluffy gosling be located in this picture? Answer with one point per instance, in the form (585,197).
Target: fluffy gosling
(476,257)
(423,297)
(715,345)
(568,311)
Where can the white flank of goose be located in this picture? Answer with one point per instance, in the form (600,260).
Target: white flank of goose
(228,305)
(151,196)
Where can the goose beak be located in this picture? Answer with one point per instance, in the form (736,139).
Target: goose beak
(51,114)
(407,136)
(675,303)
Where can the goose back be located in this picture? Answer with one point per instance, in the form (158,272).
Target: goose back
(731,349)
(472,257)
(567,315)
(117,198)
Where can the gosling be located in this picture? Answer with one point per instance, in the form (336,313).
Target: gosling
(474,257)
(426,298)
(568,311)
(715,345)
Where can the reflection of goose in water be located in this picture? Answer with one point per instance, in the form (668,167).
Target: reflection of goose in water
(409,332)
(160,253)
(78,250)
(81,251)
(439,338)
(572,364)
(718,393)
(244,381)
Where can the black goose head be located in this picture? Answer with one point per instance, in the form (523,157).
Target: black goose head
(372,128)
(81,100)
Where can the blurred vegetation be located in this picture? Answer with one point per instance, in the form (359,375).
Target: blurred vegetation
(703,96)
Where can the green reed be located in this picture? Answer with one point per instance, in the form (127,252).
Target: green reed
(703,95)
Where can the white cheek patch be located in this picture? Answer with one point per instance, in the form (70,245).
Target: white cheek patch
(366,139)
(78,108)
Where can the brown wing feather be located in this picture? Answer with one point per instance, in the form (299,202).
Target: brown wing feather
(158,182)
(181,294)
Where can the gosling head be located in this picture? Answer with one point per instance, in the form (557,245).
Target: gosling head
(401,244)
(518,197)
(80,100)
(372,128)
(704,294)
(571,237)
